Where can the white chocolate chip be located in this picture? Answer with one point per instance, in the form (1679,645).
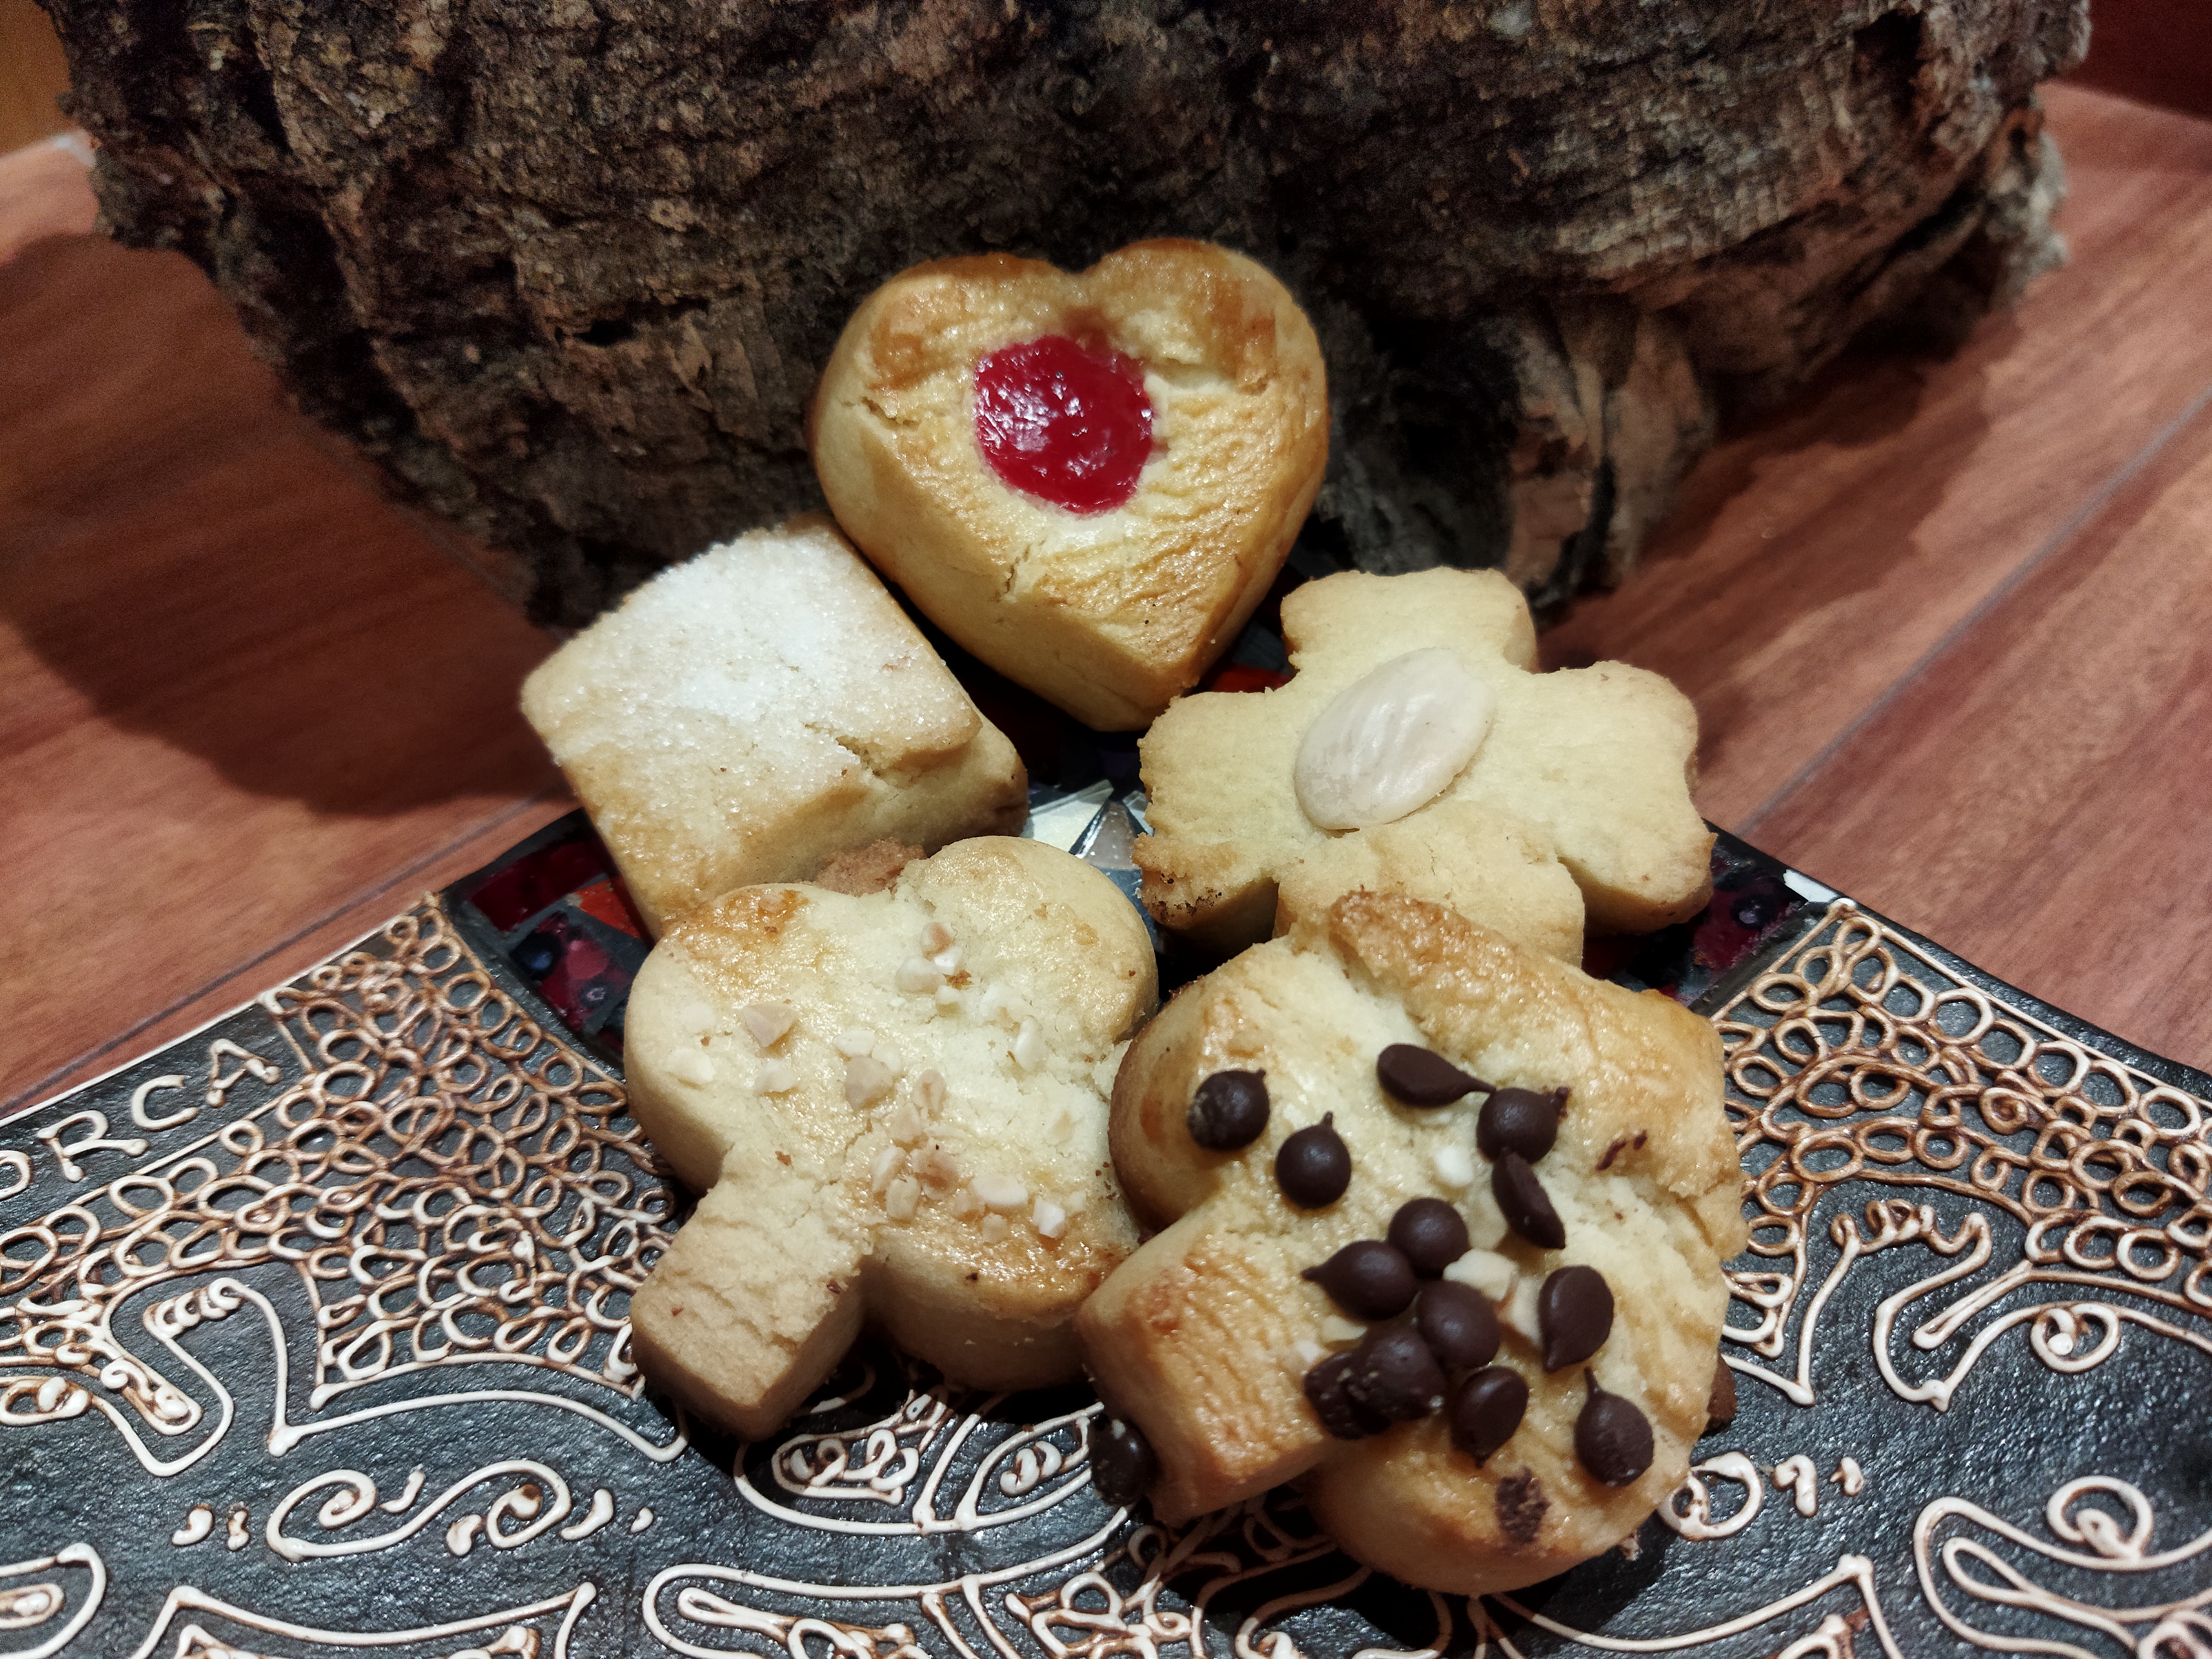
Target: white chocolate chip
(868,1080)
(1455,1164)
(1486,1270)
(935,937)
(694,1019)
(899,1202)
(854,1041)
(889,1161)
(917,974)
(1308,1352)
(1393,741)
(1518,1310)
(905,1125)
(689,1065)
(1335,1328)
(768,1021)
(1048,1218)
(929,1089)
(995,1227)
(1001,1192)
(774,1078)
(1029,1047)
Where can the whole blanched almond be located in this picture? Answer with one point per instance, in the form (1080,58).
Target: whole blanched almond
(1393,741)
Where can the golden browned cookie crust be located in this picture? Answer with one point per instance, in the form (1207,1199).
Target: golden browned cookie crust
(752,713)
(1108,614)
(1207,1337)
(895,1105)
(1596,761)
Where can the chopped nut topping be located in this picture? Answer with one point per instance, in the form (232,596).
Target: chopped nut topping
(889,1161)
(937,1170)
(774,1078)
(906,1126)
(1029,1047)
(935,937)
(947,996)
(965,1203)
(948,961)
(929,1089)
(695,1019)
(900,1200)
(768,1021)
(995,1227)
(890,1056)
(689,1065)
(1003,1006)
(1048,1218)
(868,1080)
(917,974)
(854,1041)
(1392,742)
(1455,1164)
(1001,1192)
(1519,1311)
(1487,1271)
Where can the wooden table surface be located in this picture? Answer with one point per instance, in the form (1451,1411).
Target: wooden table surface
(1947,624)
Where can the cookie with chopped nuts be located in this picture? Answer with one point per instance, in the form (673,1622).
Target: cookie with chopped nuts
(1443,1226)
(1413,699)
(895,1106)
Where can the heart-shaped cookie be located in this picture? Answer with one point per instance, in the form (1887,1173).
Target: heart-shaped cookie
(1088,480)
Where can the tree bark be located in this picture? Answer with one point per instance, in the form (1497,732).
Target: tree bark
(568,268)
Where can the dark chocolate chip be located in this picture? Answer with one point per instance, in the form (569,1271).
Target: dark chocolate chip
(1340,1415)
(1123,1465)
(1486,1409)
(1368,1279)
(1720,1406)
(1518,1121)
(1574,1311)
(1395,1375)
(1429,1234)
(1230,1110)
(1421,1076)
(1521,1201)
(1612,1437)
(1458,1323)
(1313,1167)
(1520,1506)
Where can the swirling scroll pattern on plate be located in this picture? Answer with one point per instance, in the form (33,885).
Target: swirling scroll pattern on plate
(1862,1060)
(442,1174)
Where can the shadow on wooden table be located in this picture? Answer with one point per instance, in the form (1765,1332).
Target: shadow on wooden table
(183,553)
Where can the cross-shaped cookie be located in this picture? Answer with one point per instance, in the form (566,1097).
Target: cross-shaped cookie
(895,1105)
(1413,694)
(1443,1228)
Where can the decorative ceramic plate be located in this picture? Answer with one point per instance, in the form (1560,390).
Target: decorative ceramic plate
(313,1337)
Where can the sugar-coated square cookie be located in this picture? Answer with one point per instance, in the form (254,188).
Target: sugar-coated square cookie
(750,713)
(894,1104)
(1089,479)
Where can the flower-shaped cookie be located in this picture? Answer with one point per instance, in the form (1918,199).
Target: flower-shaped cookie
(1414,693)
(1443,1222)
(1088,479)
(894,1104)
